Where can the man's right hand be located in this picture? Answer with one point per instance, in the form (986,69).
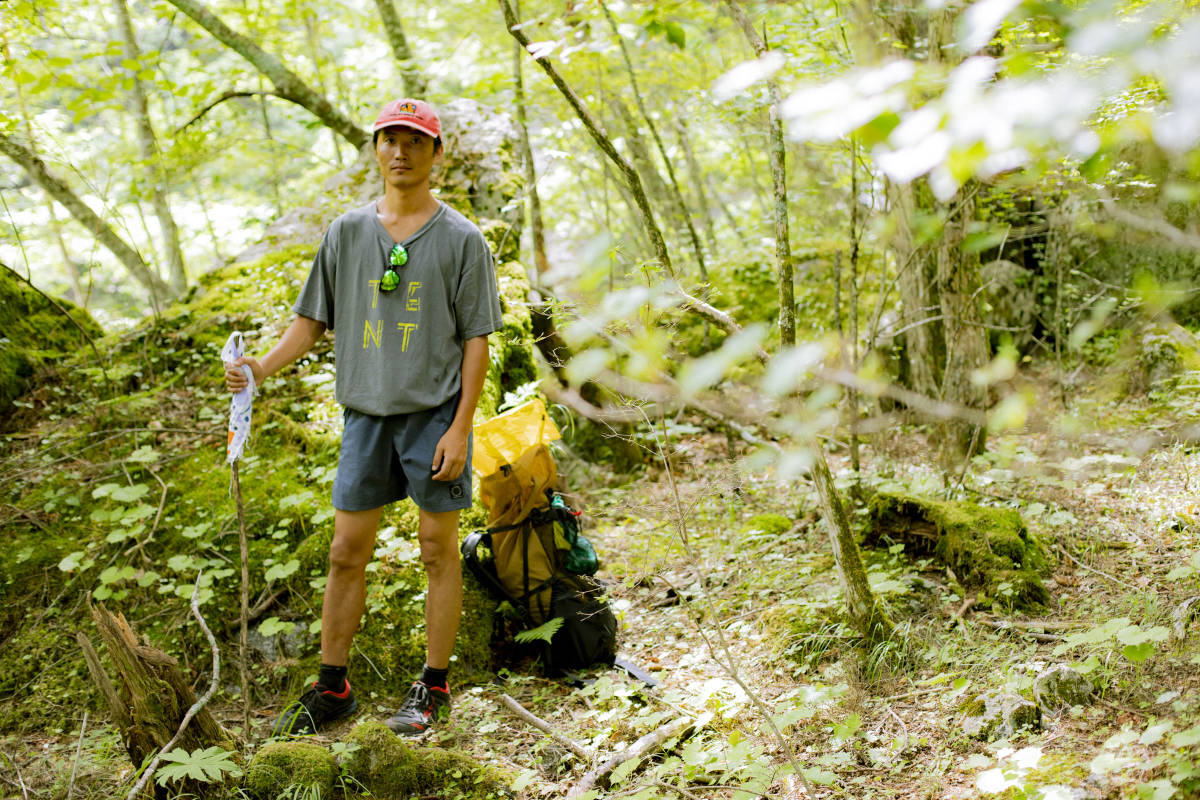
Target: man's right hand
(235,379)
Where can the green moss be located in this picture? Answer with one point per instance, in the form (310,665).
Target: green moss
(34,333)
(388,767)
(989,549)
(511,356)
(281,765)
(770,524)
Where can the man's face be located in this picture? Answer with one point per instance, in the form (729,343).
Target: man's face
(406,156)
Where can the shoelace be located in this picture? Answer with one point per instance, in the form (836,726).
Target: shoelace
(418,700)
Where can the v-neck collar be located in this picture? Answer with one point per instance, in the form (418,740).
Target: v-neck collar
(441,209)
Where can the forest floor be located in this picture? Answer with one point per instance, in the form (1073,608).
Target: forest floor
(727,593)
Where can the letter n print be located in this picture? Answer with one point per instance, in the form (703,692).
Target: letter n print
(374,335)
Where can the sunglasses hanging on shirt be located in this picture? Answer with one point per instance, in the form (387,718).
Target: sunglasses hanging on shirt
(398,257)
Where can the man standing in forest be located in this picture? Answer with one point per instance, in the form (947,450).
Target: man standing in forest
(410,284)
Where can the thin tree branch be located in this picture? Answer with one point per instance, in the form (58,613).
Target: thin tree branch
(288,84)
(638,749)
(632,179)
(221,98)
(199,704)
(545,728)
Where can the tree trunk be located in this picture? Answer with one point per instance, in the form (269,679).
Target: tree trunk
(150,154)
(698,181)
(150,696)
(550,343)
(60,191)
(966,340)
(676,194)
(414,81)
(56,233)
(866,612)
(631,178)
(852,394)
(920,321)
(288,84)
(312,36)
(783,248)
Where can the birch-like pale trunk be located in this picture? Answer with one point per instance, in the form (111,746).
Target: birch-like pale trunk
(58,189)
(676,193)
(150,154)
(414,80)
(783,248)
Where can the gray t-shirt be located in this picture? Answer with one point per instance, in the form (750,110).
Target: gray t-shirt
(401,351)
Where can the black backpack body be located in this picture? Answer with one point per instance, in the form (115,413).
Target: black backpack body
(527,565)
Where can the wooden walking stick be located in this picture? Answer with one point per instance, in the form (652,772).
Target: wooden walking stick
(239,432)
(241,515)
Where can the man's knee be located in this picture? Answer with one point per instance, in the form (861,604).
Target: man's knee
(348,555)
(353,539)
(438,537)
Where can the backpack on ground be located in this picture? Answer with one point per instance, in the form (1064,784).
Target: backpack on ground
(545,569)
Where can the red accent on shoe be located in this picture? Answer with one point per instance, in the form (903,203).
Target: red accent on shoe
(342,695)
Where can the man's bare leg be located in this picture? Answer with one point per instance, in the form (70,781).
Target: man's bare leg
(346,588)
(438,536)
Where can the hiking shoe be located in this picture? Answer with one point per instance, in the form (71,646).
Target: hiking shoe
(424,706)
(314,708)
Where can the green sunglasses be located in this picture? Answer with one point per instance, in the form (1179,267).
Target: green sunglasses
(397,258)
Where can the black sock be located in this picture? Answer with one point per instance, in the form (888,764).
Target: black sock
(332,679)
(434,678)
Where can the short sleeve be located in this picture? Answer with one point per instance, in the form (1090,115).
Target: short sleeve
(316,296)
(477,301)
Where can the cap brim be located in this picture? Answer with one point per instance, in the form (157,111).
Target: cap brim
(404,124)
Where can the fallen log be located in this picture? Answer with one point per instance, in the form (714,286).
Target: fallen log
(639,749)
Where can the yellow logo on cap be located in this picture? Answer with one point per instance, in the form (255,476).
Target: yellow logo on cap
(407,108)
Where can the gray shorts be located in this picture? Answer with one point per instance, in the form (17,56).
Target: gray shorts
(385,459)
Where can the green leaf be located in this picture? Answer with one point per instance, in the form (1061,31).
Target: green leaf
(278,572)
(821,777)
(197,530)
(143,455)
(542,633)
(129,494)
(1161,789)
(1187,738)
(71,562)
(524,779)
(206,765)
(272,626)
(624,770)
(676,35)
(1137,653)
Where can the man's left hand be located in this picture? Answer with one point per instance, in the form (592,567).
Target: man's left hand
(450,456)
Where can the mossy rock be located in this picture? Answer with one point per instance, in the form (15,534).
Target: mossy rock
(280,766)
(989,549)
(34,333)
(769,524)
(389,767)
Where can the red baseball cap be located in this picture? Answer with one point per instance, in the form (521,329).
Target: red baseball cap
(416,114)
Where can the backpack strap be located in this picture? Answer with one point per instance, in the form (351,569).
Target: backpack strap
(485,572)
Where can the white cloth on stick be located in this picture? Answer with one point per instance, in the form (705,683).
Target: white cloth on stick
(240,404)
